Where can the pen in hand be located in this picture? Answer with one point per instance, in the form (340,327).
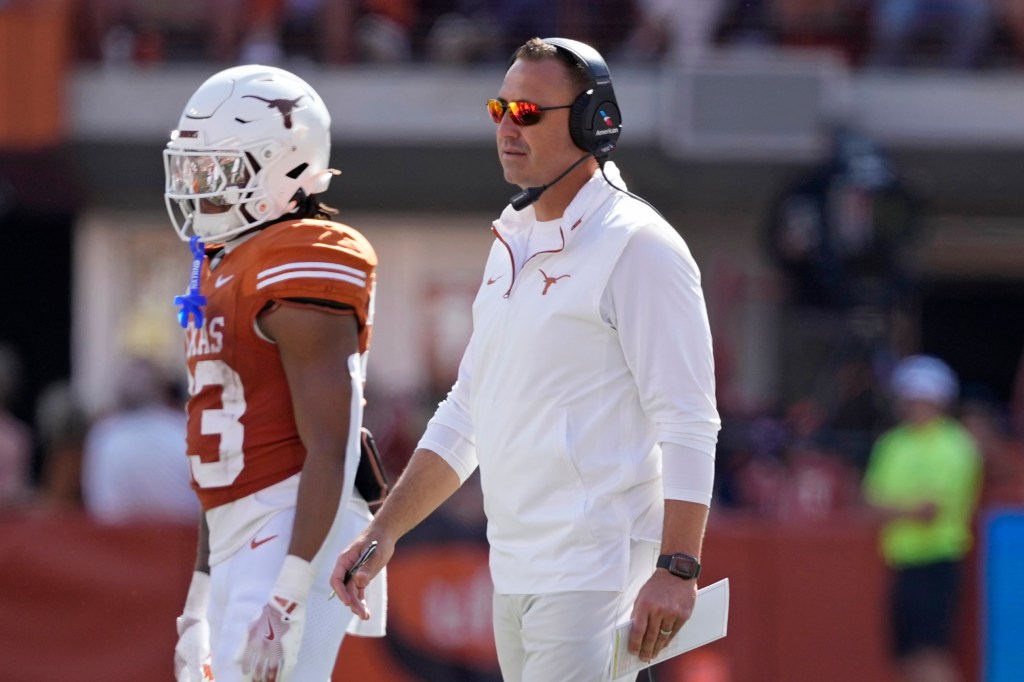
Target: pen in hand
(360,562)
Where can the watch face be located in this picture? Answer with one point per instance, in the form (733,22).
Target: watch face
(683,566)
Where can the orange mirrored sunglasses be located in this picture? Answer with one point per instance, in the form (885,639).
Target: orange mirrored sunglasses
(522,113)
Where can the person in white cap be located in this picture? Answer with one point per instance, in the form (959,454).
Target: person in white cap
(923,480)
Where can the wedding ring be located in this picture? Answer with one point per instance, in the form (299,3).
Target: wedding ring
(665,633)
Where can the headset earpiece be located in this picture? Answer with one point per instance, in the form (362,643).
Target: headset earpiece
(594,120)
(603,124)
(576,118)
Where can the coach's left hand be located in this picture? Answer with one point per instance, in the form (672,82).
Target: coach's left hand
(663,606)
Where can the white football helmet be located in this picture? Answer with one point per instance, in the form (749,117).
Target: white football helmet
(252,142)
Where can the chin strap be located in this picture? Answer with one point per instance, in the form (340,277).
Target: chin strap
(192,302)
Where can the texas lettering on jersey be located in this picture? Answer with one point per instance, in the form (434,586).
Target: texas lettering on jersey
(207,339)
(241,438)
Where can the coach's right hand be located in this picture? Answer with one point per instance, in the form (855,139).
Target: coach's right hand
(353,593)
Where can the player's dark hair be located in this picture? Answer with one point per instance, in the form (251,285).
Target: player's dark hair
(311,207)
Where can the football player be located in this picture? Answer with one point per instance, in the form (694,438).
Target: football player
(277,326)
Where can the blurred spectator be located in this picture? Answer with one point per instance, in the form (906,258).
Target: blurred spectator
(458,31)
(922,482)
(521,20)
(963,29)
(261,30)
(1003,455)
(837,25)
(652,36)
(134,466)
(15,436)
(747,22)
(819,482)
(789,469)
(1011,19)
(603,24)
(61,425)
(682,31)
(272,30)
(760,473)
(321,30)
(119,32)
(383,32)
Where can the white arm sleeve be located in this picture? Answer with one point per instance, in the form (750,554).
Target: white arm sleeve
(687,474)
(451,446)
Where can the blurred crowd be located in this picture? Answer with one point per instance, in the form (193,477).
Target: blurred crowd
(800,459)
(803,460)
(957,34)
(123,464)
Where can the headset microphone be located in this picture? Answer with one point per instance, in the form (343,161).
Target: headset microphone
(531,194)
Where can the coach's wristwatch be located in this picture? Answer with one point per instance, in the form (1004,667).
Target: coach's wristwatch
(680,565)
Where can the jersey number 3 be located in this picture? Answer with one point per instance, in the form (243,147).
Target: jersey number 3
(224,422)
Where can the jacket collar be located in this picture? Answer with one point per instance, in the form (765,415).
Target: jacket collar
(513,223)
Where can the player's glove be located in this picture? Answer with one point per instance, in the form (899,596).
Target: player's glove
(192,652)
(272,647)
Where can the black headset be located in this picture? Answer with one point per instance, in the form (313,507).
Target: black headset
(594,120)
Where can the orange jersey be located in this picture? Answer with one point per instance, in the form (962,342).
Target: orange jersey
(242,435)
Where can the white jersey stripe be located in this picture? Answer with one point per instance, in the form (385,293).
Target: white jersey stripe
(314,265)
(315,274)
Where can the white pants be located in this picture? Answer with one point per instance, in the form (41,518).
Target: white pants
(566,636)
(241,585)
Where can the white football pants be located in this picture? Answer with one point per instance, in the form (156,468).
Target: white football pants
(566,636)
(241,585)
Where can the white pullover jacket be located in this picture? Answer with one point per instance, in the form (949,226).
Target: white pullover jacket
(588,372)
